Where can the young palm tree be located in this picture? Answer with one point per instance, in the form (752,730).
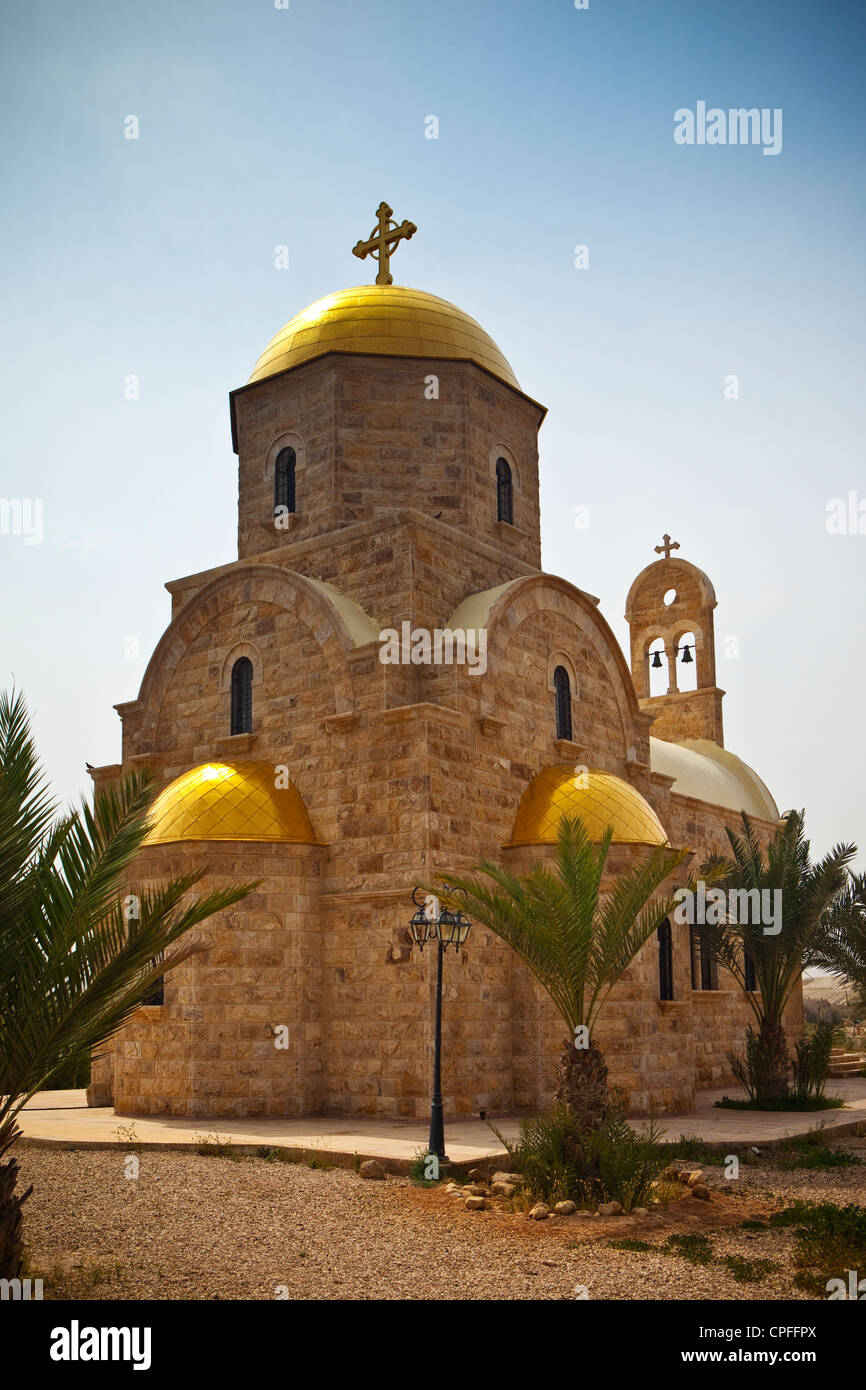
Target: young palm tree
(841,945)
(807,894)
(76,955)
(576,939)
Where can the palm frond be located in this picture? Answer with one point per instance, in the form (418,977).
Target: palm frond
(74,962)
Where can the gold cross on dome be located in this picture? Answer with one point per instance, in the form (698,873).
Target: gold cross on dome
(667,547)
(384,238)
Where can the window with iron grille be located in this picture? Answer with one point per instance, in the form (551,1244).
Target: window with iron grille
(504,492)
(242,696)
(666,960)
(284,480)
(562,696)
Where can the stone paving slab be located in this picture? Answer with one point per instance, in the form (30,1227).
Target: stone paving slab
(64,1118)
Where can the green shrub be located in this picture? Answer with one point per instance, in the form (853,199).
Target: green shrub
(694,1248)
(214,1146)
(790,1101)
(692,1146)
(747,1068)
(418,1169)
(748,1271)
(811,1061)
(812,1150)
(811,1064)
(829,1241)
(559,1159)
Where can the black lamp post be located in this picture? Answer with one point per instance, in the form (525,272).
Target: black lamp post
(433,921)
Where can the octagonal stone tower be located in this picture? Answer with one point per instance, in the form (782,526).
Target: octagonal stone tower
(378,398)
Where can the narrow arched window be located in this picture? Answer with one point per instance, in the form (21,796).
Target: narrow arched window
(562,695)
(242,696)
(705,973)
(666,961)
(504,492)
(156,995)
(284,480)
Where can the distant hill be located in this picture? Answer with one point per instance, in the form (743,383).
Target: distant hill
(826,987)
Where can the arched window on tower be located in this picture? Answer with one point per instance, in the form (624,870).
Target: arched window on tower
(687,669)
(562,696)
(284,480)
(666,960)
(242,696)
(504,492)
(659,680)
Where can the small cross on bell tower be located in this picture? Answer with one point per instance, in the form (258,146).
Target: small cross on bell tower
(667,546)
(669,611)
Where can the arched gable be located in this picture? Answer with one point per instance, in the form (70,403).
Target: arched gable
(337,632)
(691,583)
(513,604)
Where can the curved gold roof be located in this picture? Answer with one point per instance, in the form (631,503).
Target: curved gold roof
(704,770)
(229,801)
(599,798)
(389,319)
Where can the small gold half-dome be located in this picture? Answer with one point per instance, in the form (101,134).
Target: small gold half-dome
(382,319)
(599,798)
(230,801)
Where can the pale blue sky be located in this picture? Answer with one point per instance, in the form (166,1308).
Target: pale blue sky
(261,127)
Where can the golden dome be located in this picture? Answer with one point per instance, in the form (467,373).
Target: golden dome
(599,798)
(229,801)
(389,319)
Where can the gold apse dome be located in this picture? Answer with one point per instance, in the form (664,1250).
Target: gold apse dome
(382,319)
(599,798)
(229,801)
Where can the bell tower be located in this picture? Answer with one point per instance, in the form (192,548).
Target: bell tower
(669,611)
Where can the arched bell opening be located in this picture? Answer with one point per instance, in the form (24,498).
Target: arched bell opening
(659,671)
(687,666)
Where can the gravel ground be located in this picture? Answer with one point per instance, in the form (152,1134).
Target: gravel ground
(196,1226)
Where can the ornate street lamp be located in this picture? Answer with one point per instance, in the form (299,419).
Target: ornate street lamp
(432,921)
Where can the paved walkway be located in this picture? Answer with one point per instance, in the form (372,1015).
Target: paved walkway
(63,1117)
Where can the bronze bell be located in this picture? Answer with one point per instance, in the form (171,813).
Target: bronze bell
(686,656)
(657,661)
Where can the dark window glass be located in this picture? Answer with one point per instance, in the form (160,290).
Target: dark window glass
(242,696)
(751,980)
(157,990)
(705,972)
(284,480)
(562,690)
(666,961)
(504,493)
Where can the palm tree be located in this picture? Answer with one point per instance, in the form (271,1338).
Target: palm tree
(576,938)
(841,946)
(76,958)
(807,894)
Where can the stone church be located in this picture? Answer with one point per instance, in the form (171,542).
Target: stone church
(388,476)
